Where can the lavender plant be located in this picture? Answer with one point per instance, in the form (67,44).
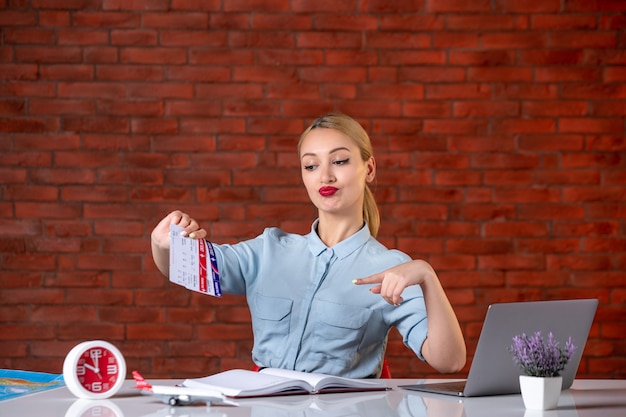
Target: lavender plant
(537,357)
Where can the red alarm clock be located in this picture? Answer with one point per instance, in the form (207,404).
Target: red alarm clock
(95,369)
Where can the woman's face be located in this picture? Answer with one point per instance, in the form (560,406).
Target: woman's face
(333,172)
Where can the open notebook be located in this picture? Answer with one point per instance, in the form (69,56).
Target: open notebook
(242,383)
(493,370)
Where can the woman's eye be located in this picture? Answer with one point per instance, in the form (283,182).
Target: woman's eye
(309,167)
(342,161)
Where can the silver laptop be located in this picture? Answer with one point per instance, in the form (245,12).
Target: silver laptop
(493,371)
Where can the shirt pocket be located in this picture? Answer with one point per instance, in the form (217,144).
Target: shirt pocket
(271,317)
(339,330)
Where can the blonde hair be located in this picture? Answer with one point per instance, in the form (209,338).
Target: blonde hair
(352,129)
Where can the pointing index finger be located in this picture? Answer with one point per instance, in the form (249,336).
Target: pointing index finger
(372,279)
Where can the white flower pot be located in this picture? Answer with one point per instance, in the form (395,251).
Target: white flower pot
(540,393)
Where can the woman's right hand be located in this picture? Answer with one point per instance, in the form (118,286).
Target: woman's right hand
(160,237)
(161,233)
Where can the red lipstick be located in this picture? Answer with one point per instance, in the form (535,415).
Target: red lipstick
(327,191)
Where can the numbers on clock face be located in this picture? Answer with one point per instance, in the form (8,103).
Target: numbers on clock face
(97,370)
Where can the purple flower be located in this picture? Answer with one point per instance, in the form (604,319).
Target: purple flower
(537,357)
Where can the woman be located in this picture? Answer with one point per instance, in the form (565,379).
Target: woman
(310,309)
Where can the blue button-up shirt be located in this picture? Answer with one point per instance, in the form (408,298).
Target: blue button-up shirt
(307,314)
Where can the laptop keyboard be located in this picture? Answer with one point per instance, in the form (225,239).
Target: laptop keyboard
(457,386)
(452,387)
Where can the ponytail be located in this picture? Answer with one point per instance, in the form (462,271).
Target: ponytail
(370,212)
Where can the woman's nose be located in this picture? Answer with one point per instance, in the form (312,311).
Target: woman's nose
(328,177)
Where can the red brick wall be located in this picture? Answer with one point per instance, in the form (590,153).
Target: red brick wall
(498,127)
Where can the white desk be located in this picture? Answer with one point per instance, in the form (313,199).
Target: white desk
(593,398)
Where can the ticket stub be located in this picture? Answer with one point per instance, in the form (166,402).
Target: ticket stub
(193,263)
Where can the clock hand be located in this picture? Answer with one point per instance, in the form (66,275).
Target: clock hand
(91,368)
(95,370)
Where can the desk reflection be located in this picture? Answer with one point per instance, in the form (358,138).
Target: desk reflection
(188,411)
(387,404)
(391,403)
(93,408)
(513,405)
(395,403)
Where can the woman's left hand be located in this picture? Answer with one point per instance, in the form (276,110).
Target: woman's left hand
(444,348)
(393,281)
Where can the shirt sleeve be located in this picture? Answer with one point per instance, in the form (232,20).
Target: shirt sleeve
(410,319)
(410,316)
(238,263)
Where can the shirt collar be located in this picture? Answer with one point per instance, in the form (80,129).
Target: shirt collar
(341,249)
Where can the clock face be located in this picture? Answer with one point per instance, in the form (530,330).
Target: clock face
(97,369)
(94,369)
